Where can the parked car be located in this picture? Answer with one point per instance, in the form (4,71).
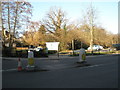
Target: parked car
(96,47)
(38,48)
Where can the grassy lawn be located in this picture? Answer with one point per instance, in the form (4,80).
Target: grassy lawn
(69,52)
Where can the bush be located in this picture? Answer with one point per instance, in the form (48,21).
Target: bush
(13,52)
(52,52)
(8,52)
(40,53)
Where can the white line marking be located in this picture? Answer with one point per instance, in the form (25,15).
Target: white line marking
(96,65)
(8,70)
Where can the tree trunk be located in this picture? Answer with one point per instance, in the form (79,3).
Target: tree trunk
(91,30)
(15,23)
(9,29)
(73,46)
(91,41)
(1,21)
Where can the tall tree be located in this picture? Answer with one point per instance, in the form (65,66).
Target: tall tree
(55,23)
(15,15)
(42,29)
(1,23)
(90,19)
(55,20)
(36,34)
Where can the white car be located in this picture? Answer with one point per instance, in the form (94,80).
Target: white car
(96,47)
(38,48)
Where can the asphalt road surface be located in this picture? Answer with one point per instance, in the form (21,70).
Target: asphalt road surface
(63,73)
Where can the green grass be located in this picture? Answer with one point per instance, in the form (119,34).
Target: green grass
(94,53)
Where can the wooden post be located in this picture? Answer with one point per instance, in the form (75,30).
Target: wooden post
(73,46)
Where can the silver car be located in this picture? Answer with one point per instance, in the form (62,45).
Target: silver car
(96,47)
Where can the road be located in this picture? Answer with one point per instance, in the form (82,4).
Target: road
(63,73)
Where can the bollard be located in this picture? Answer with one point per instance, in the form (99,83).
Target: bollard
(30,65)
(82,55)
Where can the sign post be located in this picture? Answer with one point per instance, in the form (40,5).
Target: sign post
(53,46)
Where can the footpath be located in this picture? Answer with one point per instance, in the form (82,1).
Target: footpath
(51,62)
(53,57)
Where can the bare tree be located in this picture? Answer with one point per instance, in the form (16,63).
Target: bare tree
(89,19)
(36,34)
(15,14)
(55,20)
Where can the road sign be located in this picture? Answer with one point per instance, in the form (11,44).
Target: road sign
(52,45)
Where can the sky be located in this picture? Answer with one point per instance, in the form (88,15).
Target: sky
(107,11)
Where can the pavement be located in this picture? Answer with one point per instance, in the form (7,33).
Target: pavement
(54,57)
(49,63)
